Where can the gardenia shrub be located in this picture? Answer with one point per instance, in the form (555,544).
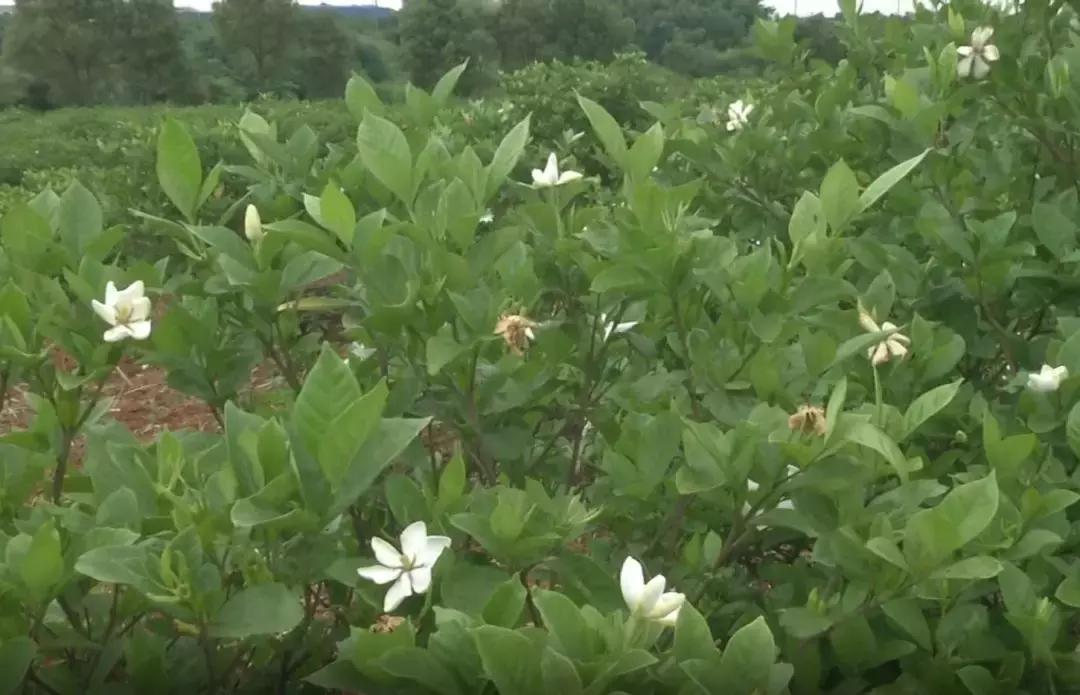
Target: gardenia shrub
(789,407)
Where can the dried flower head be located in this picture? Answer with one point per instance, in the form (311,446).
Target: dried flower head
(387,623)
(808,419)
(517,331)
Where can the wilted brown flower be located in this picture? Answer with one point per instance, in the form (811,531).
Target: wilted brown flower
(387,623)
(517,331)
(808,419)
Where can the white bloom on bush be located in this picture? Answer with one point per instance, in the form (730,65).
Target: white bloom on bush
(253,224)
(611,328)
(738,115)
(894,345)
(410,568)
(126,310)
(1048,379)
(648,601)
(975,59)
(551,176)
(487,218)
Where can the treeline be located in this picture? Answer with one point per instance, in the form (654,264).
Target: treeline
(78,52)
(63,52)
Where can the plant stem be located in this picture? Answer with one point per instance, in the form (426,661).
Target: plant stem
(880,415)
(208,657)
(534,612)
(684,344)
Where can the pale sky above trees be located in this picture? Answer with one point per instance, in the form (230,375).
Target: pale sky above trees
(803,7)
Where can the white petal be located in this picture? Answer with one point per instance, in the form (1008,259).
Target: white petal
(881,354)
(868,323)
(140,309)
(1061,373)
(624,327)
(105,311)
(732,125)
(667,604)
(991,53)
(632,582)
(386,554)
(654,588)
(963,68)
(117,333)
(110,292)
(379,574)
(785,504)
(964,51)
(413,540)
(433,548)
(539,179)
(751,485)
(551,171)
(567,177)
(140,330)
(981,35)
(129,294)
(420,578)
(896,348)
(980,68)
(671,618)
(398,592)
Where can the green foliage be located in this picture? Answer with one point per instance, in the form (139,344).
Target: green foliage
(709,401)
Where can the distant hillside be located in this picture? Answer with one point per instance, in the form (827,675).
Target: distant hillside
(361,11)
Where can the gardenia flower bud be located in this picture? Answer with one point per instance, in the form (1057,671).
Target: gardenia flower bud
(1048,379)
(253,225)
(649,601)
(975,59)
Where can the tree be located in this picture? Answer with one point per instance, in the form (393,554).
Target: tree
(153,61)
(436,35)
(324,54)
(71,45)
(531,30)
(260,32)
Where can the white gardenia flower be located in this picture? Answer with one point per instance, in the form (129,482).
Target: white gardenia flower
(410,568)
(1048,379)
(649,601)
(893,346)
(611,328)
(487,218)
(126,310)
(253,225)
(975,59)
(550,176)
(738,115)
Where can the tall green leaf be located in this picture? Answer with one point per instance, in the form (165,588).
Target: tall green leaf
(506,156)
(179,168)
(511,661)
(890,178)
(607,129)
(386,154)
(932,535)
(263,609)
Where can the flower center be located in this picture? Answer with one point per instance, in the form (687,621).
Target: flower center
(124,312)
(407,563)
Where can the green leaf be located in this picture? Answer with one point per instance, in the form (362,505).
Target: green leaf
(405,499)
(385,153)
(908,615)
(346,433)
(361,98)
(379,450)
(116,564)
(16,656)
(804,623)
(43,564)
(606,128)
(693,639)
(1054,228)
(445,86)
(890,178)
(79,218)
(886,549)
(179,168)
(839,196)
(1008,453)
(975,567)
(645,153)
(506,156)
(559,674)
(420,666)
(748,656)
(1068,591)
(807,219)
(510,660)
(1072,429)
(929,404)
(329,390)
(263,609)
(442,349)
(338,214)
(504,607)
(932,535)
(564,621)
(978,680)
(871,437)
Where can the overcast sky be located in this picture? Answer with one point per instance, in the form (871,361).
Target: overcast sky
(804,7)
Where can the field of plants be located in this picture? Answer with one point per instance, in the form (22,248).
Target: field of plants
(608,384)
